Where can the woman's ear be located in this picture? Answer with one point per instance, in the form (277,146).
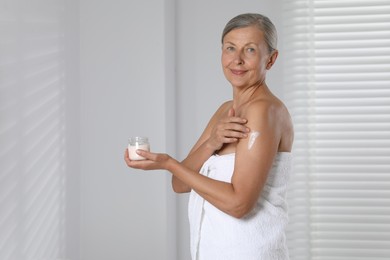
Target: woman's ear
(272,59)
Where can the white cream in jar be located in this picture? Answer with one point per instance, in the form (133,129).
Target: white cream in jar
(137,143)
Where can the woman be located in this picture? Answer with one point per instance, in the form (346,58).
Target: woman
(237,171)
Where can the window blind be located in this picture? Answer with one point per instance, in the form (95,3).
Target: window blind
(337,80)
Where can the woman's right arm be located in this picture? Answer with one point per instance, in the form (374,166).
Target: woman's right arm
(221,129)
(193,161)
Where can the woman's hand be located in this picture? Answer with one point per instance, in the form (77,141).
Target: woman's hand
(154,161)
(228,130)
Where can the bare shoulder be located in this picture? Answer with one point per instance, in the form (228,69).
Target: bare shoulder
(225,107)
(271,113)
(220,112)
(265,107)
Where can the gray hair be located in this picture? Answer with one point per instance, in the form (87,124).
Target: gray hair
(251,19)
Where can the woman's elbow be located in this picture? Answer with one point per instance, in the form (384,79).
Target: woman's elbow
(240,210)
(239,214)
(181,189)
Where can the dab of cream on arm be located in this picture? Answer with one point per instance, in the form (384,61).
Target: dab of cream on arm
(252,138)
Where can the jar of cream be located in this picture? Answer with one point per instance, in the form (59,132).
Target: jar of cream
(137,143)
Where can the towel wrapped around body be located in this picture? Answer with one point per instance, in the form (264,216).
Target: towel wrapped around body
(260,235)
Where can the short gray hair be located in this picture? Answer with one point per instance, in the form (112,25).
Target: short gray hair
(262,22)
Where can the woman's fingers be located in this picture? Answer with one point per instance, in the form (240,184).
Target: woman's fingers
(126,157)
(136,163)
(153,161)
(234,119)
(237,127)
(228,130)
(233,130)
(231,112)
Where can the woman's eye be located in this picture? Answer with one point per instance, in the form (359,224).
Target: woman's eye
(230,48)
(251,50)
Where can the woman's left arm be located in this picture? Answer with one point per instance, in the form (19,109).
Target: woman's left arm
(253,161)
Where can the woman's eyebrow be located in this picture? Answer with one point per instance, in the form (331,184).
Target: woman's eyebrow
(249,43)
(229,43)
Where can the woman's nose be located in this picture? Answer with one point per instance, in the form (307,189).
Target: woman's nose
(238,59)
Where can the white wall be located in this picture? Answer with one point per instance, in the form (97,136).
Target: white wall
(77,79)
(39,130)
(126,76)
(73,164)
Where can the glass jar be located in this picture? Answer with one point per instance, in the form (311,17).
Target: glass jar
(138,143)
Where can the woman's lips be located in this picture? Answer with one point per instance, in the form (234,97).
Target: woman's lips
(238,72)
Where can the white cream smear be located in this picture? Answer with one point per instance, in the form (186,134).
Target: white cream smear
(252,138)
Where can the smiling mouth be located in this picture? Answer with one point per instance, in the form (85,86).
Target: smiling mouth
(238,72)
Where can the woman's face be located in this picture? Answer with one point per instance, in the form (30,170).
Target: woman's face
(245,57)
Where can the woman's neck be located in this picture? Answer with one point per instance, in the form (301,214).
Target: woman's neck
(243,96)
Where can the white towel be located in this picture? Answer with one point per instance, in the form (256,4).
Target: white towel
(258,236)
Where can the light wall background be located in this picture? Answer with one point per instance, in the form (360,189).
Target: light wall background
(122,68)
(40,135)
(125,83)
(147,69)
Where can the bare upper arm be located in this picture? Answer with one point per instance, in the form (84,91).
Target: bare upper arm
(255,154)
